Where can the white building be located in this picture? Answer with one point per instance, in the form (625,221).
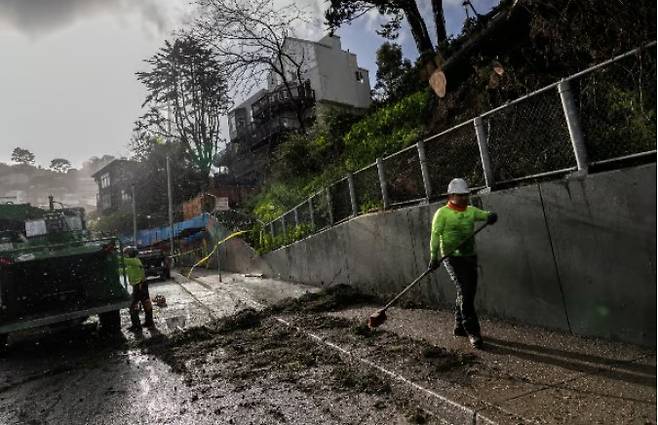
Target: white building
(334,74)
(334,77)
(331,78)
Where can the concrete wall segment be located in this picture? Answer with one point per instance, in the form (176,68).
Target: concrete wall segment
(603,230)
(517,276)
(577,254)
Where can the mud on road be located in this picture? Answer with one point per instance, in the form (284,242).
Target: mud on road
(246,368)
(251,368)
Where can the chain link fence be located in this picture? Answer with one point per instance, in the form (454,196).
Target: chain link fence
(529,137)
(289,218)
(277,226)
(341,202)
(367,189)
(320,210)
(615,104)
(617,107)
(403,176)
(454,153)
(304,214)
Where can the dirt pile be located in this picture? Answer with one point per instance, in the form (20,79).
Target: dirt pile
(236,359)
(251,351)
(330,299)
(412,357)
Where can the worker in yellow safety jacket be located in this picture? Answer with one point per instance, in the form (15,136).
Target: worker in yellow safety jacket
(137,279)
(452,230)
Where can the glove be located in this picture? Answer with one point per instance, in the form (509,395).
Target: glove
(492,218)
(434,264)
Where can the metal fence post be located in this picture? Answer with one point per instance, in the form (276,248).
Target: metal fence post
(481,135)
(573,124)
(272,228)
(311,212)
(425,172)
(382,182)
(330,207)
(283,224)
(350,183)
(296,216)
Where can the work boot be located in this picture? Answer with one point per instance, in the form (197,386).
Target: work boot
(459,331)
(476,341)
(148,322)
(134,319)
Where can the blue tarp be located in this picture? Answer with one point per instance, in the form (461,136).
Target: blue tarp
(151,236)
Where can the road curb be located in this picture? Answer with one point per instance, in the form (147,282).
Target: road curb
(450,411)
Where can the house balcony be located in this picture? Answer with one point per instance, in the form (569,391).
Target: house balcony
(282,100)
(257,134)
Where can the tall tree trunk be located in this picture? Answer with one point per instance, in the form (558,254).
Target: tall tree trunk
(418,27)
(439,20)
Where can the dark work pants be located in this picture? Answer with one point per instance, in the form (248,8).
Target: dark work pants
(141,294)
(464,273)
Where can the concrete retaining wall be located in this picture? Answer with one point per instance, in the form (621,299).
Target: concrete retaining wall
(577,254)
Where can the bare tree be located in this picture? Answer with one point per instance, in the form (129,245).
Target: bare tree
(186,96)
(252,38)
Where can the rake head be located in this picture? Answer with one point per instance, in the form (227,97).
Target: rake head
(376,319)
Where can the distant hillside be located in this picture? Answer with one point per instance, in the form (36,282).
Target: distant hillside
(33,184)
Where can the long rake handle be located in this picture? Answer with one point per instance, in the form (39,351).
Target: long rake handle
(428,271)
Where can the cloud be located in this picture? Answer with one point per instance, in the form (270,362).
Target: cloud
(40,17)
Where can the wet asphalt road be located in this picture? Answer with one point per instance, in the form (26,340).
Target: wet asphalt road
(79,376)
(272,375)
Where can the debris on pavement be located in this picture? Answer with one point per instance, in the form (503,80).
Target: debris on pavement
(250,351)
(160,301)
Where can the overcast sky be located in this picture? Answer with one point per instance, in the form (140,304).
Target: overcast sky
(67,83)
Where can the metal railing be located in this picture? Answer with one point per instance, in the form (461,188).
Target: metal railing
(604,114)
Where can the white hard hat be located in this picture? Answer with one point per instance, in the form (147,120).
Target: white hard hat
(458,187)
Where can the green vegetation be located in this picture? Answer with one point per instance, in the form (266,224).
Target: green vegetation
(541,48)
(112,224)
(339,143)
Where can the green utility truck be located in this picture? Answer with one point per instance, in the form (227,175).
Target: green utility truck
(52,271)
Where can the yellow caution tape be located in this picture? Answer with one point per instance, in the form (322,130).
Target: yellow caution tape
(207,257)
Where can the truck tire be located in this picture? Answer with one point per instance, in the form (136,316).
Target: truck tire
(110,321)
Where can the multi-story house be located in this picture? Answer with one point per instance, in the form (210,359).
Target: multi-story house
(114,186)
(330,79)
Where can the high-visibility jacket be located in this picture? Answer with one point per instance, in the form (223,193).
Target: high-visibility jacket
(450,227)
(134,270)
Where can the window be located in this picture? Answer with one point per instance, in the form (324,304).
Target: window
(105,180)
(125,196)
(359,76)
